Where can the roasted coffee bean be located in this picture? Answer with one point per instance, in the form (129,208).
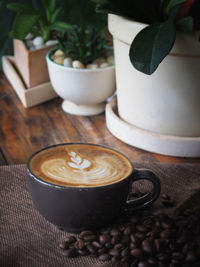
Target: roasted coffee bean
(115,239)
(125,252)
(91,249)
(105,238)
(63,245)
(127,230)
(137,253)
(79,244)
(69,252)
(162,257)
(101,251)
(83,252)
(143,264)
(114,252)
(177,256)
(133,239)
(148,246)
(89,238)
(126,259)
(115,232)
(119,246)
(125,239)
(70,239)
(152,261)
(87,232)
(140,235)
(191,257)
(116,258)
(141,228)
(96,244)
(185,249)
(133,245)
(108,245)
(165,233)
(165,196)
(104,257)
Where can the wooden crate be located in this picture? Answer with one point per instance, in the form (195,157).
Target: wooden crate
(31,64)
(29,97)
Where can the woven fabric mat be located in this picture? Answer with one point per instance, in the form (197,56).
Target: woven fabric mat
(27,239)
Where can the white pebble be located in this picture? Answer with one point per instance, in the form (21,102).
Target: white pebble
(51,42)
(59,53)
(99,61)
(104,65)
(29,36)
(38,41)
(59,60)
(39,46)
(110,60)
(29,43)
(77,64)
(68,62)
(92,66)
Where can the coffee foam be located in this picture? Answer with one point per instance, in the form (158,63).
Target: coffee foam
(80,165)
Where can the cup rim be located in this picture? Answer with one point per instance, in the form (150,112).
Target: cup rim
(74,69)
(71,186)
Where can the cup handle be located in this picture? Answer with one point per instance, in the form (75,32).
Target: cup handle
(146,200)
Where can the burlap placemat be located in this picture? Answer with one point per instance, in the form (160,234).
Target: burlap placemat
(27,239)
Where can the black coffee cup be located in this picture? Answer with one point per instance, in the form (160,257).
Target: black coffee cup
(77,208)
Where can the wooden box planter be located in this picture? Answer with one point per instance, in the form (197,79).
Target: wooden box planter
(29,97)
(31,64)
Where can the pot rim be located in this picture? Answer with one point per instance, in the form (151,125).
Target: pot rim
(70,187)
(74,69)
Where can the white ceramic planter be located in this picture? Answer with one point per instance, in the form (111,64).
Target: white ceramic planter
(166,102)
(84,91)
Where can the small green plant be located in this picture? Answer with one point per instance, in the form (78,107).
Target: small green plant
(164,19)
(82,44)
(39,20)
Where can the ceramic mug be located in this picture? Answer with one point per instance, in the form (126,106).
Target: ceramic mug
(75,208)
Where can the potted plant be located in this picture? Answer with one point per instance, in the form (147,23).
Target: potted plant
(81,70)
(157,63)
(33,31)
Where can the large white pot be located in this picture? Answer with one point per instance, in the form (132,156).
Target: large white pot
(84,91)
(166,102)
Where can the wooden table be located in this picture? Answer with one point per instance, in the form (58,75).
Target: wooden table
(23,131)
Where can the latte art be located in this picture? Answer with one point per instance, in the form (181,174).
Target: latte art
(81,165)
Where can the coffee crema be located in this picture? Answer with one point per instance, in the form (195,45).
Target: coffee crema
(80,165)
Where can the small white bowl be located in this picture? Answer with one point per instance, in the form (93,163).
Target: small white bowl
(84,91)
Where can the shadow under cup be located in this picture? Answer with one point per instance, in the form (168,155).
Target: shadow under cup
(75,208)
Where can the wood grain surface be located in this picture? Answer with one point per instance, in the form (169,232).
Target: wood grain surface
(23,131)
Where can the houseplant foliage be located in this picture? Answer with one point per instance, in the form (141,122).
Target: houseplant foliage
(41,19)
(80,12)
(164,18)
(82,44)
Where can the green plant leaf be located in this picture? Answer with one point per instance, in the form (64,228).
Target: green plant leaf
(151,46)
(52,5)
(22,25)
(133,9)
(185,24)
(171,4)
(60,26)
(55,14)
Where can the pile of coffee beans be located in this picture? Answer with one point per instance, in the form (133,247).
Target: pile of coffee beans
(145,240)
